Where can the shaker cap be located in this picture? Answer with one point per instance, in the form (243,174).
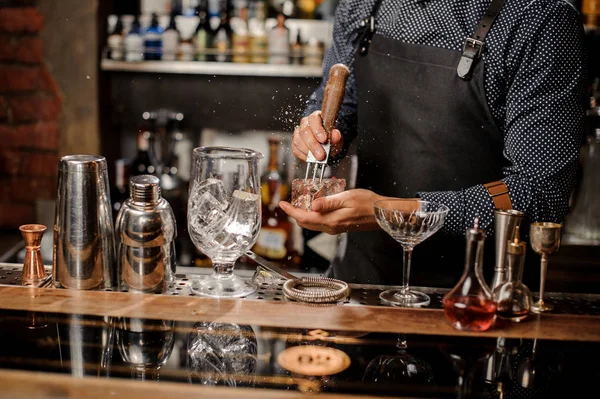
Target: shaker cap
(516,246)
(144,188)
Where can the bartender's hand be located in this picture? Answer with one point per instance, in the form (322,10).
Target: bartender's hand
(310,134)
(351,210)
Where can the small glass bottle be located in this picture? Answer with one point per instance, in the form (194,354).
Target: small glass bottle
(513,298)
(153,40)
(469,305)
(134,42)
(116,41)
(170,40)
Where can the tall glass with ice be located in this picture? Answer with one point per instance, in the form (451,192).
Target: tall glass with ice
(224,213)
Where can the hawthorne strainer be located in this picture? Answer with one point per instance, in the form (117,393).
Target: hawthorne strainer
(312,289)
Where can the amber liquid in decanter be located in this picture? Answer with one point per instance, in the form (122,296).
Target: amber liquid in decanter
(470,305)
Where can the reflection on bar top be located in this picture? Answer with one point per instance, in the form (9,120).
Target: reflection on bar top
(249,356)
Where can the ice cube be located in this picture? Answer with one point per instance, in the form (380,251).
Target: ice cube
(243,214)
(215,188)
(205,210)
(304,192)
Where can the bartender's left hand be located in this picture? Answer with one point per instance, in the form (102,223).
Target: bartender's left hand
(351,210)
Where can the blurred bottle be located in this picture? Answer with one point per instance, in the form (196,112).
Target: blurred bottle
(306,9)
(134,42)
(275,241)
(204,34)
(259,39)
(279,42)
(591,13)
(297,56)
(170,40)
(240,39)
(116,41)
(120,190)
(141,165)
(223,34)
(313,52)
(153,40)
(186,49)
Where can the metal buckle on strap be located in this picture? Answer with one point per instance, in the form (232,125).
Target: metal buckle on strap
(472,50)
(477,44)
(368,34)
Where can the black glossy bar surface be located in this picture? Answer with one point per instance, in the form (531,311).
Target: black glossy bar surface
(225,354)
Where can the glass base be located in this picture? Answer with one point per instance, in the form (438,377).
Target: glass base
(216,286)
(541,306)
(410,299)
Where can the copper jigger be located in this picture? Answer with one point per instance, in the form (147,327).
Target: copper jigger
(33,266)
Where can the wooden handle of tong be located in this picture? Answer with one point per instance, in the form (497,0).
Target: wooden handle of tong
(334,94)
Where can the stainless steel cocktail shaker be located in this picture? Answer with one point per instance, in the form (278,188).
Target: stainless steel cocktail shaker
(84,249)
(505,222)
(146,231)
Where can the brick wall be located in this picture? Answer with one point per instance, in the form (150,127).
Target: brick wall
(30,103)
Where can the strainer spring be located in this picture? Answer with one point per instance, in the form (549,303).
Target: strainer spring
(316,289)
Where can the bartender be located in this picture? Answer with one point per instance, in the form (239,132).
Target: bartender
(475,104)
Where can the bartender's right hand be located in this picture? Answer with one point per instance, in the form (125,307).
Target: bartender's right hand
(310,134)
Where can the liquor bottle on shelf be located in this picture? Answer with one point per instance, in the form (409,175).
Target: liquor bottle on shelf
(120,190)
(297,57)
(116,41)
(470,305)
(306,8)
(590,9)
(279,42)
(153,40)
(223,33)
(259,39)
(186,49)
(204,34)
(240,39)
(134,42)
(313,52)
(141,165)
(170,40)
(275,238)
(286,7)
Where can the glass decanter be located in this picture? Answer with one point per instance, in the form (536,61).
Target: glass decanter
(470,305)
(513,298)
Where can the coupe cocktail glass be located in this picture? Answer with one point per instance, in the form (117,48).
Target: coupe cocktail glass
(224,215)
(410,222)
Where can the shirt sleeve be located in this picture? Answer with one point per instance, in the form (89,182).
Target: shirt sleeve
(544,124)
(341,50)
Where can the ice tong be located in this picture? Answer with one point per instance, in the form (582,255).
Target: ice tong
(332,100)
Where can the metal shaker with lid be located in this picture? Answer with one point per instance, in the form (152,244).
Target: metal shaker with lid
(146,231)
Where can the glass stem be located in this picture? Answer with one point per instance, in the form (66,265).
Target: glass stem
(223,270)
(401,344)
(543,277)
(407,255)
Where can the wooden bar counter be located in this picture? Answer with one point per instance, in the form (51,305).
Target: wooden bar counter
(59,343)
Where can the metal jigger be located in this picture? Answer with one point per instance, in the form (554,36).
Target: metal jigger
(505,222)
(545,239)
(33,265)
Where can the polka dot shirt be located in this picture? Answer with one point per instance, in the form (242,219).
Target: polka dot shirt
(534,81)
